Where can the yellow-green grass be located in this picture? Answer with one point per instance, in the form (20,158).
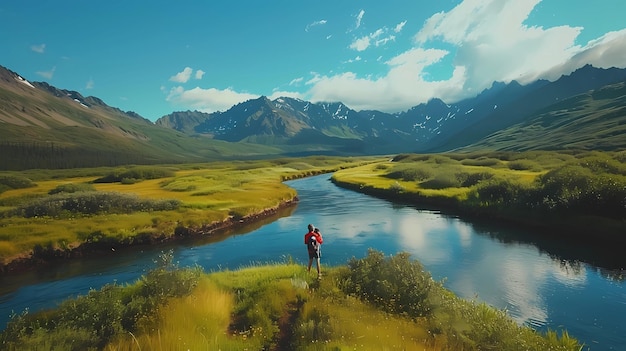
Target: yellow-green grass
(202,320)
(208,193)
(374,176)
(577,191)
(195,322)
(281,306)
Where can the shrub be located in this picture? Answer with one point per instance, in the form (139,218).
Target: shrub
(578,190)
(603,164)
(498,192)
(71,188)
(410,172)
(468,179)
(91,203)
(8,182)
(93,320)
(135,174)
(481,161)
(441,181)
(395,284)
(524,165)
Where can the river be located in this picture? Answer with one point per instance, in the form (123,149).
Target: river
(537,281)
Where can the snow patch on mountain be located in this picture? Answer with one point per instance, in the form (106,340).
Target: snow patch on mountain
(24,81)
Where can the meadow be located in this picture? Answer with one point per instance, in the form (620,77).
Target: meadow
(571,194)
(49,214)
(374,303)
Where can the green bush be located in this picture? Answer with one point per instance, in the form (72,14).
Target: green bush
(481,161)
(575,190)
(89,322)
(468,179)
(71,188)
(410,172)
(8,182)
(441,181)
(90,203)
(395,284)
(136,174)
(603,164)
(498,193)
(524,165)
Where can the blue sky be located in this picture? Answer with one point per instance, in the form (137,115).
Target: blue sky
(156,57)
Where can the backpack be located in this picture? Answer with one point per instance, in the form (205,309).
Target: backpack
(312,244)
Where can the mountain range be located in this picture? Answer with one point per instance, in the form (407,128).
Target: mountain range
(47,127)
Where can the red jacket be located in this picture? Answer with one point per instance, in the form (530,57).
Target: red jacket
(318,237)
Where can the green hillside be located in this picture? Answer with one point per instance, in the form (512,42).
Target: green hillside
(592,121)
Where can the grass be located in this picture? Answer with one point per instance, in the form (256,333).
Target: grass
(277,307)
(572,191)
(204,194)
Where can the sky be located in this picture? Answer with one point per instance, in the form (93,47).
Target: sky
(156,57)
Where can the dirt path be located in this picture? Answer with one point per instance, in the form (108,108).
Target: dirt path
(286,324)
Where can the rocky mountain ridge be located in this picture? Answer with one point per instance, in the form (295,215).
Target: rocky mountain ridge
(432,126)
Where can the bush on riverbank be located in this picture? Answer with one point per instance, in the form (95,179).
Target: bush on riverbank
(549,189)
(279,307)
(9,181)
(91,321)
(90,203)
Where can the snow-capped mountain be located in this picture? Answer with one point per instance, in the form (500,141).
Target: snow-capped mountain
(434,125)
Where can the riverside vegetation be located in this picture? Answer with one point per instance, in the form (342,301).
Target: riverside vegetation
(372,303)
(567,194)
(51,214)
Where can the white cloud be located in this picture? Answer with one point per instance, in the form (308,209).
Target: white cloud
(199,74)
(607,51)
(359,18)
(182,77)
(384,41)
(41,48)
(90,84)
(363,43)
(356,59)
(47,74)
(360,44)
(484,41)
(314,24)
(296,81)
(207,100)
(490,42)
(403,86)
(494,43)
(282,93)
(399,27)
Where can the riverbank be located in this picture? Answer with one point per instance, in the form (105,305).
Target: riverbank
(575,198)
(574,228)
(41,256)
(62,214)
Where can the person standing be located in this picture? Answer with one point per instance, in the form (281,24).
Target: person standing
(313,240)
